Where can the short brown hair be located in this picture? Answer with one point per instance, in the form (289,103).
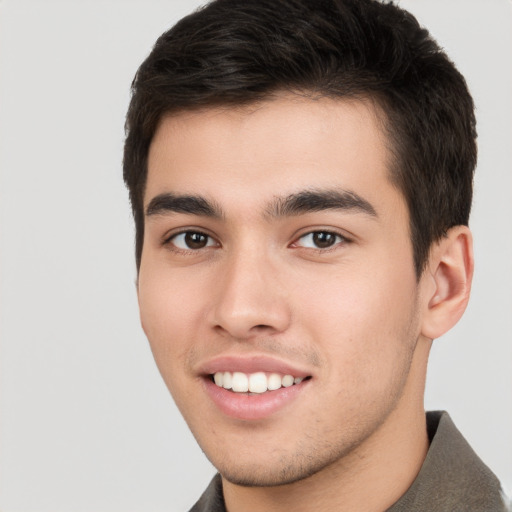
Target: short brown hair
(234,52)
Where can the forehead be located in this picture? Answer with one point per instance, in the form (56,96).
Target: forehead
(245,155)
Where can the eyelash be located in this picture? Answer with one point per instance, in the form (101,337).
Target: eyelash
(339,239)
(170,241)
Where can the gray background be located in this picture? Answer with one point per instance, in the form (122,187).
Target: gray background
(86,423)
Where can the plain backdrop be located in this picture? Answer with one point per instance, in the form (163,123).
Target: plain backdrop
(86,423)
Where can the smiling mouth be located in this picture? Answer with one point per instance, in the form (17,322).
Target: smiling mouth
(254,383)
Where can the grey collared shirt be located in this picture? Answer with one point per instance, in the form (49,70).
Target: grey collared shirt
(452,478)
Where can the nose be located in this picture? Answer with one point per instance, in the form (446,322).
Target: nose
(251,300)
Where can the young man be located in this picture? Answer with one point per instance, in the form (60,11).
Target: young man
(301,178)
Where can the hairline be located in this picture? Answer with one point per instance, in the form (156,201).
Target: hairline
(376,103)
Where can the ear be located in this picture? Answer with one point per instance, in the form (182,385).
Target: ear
(449,274)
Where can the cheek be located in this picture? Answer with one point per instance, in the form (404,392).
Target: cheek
(169,311)
(365,321)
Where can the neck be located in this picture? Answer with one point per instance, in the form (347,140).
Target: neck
(369,479)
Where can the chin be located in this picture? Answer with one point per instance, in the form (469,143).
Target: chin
(264,477)
(277,471)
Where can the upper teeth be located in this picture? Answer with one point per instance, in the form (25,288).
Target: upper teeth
(258,382)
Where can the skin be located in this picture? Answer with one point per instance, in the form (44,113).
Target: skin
(352,315)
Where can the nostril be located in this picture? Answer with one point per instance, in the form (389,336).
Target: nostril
(243,321)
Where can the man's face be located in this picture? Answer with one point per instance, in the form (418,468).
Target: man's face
(277,248)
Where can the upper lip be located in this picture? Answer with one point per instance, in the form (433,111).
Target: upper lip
(251,364)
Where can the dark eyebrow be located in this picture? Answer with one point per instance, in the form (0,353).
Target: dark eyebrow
(188,204)
(317,200)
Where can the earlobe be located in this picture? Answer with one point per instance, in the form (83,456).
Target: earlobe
(449,275)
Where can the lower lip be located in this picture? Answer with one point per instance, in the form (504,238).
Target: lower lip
(252,407)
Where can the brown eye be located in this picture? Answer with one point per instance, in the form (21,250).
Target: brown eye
(192,240)
(195,240)
(320,240)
